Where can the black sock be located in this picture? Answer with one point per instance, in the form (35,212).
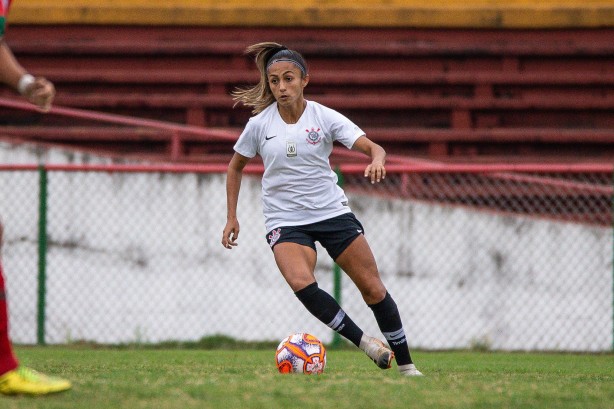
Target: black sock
(324,307)
(389,321)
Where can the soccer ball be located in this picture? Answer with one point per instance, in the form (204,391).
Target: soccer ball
(301,353)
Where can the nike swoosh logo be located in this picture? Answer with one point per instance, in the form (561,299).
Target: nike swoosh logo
(270,137)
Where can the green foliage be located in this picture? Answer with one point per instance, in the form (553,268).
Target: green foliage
(213,342)
(238,378)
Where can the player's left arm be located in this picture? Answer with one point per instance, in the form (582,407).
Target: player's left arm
(37,90)
(375,170)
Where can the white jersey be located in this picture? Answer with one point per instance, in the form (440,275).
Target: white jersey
(298,186)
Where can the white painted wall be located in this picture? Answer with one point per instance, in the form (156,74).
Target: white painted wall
(137,257)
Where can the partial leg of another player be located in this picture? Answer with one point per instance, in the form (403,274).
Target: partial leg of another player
(15,379)
(26,381)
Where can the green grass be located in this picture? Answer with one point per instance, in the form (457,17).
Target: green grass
(190,378)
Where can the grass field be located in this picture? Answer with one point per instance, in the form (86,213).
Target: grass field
(184,378)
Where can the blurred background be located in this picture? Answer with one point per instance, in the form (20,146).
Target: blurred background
(493,231)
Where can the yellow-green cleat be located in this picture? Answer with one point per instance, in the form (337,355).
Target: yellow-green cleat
(25,381)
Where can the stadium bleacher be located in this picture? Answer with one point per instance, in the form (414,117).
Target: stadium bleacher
(517,89)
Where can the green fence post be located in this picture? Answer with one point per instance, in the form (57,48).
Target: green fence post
(337,294)
(42,255)
(337,272)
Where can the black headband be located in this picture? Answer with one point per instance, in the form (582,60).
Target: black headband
(285,55)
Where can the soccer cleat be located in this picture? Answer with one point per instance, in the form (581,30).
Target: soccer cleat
(409,370)
(25,381)
(377,351)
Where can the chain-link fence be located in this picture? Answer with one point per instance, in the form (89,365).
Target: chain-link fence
(494,257)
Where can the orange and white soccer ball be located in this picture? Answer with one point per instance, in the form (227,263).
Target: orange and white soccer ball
(301,353)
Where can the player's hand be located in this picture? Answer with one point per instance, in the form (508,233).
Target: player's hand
(375,172)
(41,93)
(230,234)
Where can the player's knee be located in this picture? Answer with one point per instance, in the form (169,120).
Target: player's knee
(373,294)
(298,281)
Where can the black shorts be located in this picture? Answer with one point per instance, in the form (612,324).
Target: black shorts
(334,234)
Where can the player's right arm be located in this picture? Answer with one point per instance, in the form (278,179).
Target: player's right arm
(38,91)
(233,185)
(10,70)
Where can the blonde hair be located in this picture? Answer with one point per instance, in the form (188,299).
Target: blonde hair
(260,96)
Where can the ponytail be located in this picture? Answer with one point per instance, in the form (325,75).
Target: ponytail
(260,96)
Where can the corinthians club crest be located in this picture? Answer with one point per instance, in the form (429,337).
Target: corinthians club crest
(313,136)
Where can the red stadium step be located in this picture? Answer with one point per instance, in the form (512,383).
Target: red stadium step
(453,92)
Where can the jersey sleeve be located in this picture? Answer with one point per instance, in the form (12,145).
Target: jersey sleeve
(247,144)
(343,130)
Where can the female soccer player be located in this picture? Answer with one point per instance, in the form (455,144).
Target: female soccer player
(302,202)
(15,379)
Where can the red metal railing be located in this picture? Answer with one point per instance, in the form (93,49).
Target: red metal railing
(177,130)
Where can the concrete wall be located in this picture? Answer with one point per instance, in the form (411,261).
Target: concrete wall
(137,257)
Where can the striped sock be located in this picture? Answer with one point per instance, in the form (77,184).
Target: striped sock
(389,321)
(325,308)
